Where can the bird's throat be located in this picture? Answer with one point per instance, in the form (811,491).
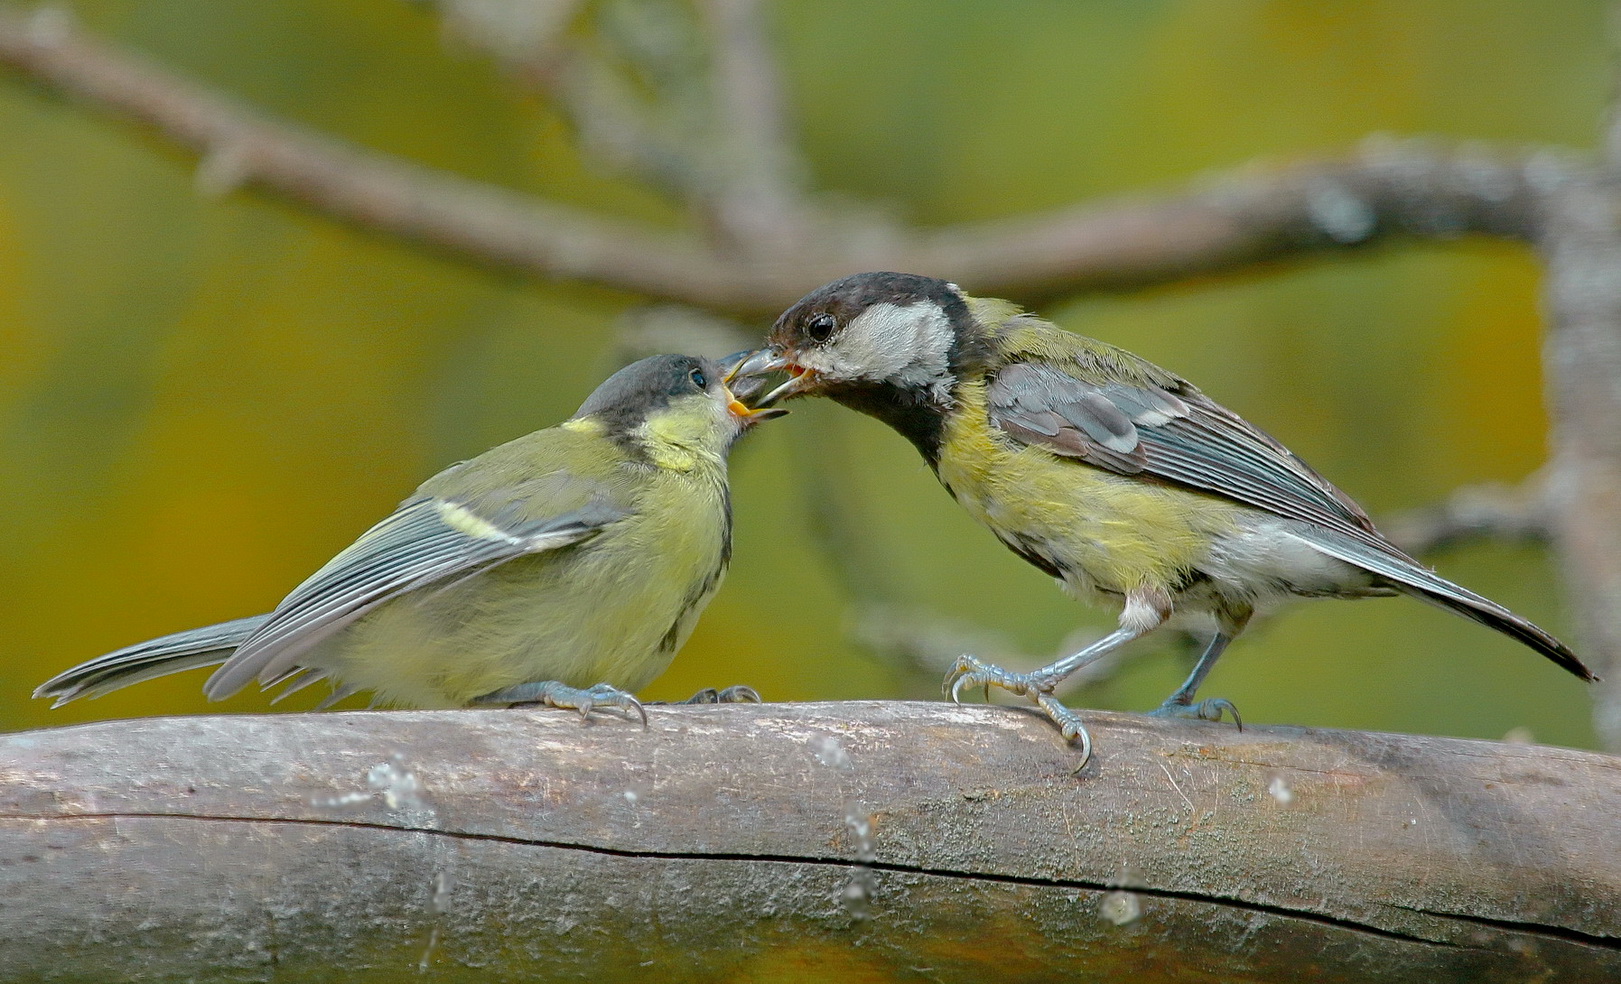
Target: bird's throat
(915,414)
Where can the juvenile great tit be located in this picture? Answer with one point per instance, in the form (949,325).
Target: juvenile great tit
(1116,477)
(564,568)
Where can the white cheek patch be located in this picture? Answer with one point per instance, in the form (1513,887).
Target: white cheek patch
(908,346)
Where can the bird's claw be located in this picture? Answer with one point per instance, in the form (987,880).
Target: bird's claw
(1069,725)
(971,671)
(607,696)
(553,693)
(731,695)
(1210,709)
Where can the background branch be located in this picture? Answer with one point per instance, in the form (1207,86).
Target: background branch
(539,45)
(1582,250)
(1388,190)
(1475,512)
(760,202)
(241,148)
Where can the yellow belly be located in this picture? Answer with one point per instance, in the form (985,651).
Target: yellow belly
(1104,531)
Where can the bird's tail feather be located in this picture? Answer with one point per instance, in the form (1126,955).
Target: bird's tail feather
(1412,578)
(207,646)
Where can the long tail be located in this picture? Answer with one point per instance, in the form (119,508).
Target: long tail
(1412,578)
(148,660)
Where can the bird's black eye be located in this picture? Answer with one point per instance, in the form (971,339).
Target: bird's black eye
(699,379)
(820,327)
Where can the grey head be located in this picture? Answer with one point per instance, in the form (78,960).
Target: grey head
(628,397)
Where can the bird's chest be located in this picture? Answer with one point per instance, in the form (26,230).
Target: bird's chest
(1090,527)
(1008,486)
(685,537)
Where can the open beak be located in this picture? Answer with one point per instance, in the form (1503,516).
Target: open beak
(749,416)
(739,393)
(769,360)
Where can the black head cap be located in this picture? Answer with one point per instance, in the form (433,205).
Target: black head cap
(825,311)
(626,398)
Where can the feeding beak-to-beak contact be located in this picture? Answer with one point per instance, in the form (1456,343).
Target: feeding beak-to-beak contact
(739,393)
(751,415)
(769,360)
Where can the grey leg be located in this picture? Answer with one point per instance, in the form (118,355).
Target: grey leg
(1180,704)
(552,693)
(971,671)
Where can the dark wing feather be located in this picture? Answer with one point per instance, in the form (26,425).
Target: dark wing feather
(1186,438)
(1182,437)
(207,646)
(1426,585)
(1040,405)
(428,540)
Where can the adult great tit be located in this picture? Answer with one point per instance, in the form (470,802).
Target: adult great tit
(563,568)
(1116,477)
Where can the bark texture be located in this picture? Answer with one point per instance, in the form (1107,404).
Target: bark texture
(851,841)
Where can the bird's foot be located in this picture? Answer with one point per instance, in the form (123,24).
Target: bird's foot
(971,671)
(552,693)
(731,695)
(709,695)
(1210,709)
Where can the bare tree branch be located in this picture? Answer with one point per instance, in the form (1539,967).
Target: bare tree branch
(636,87)
(240,147)
(1582,249)
(531,40)
(760,202)
(1474,512)
(615,126)
(516,32)
(1407,189)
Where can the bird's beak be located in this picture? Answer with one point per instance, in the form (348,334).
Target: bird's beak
(746,415)
(769,360)
(740,392)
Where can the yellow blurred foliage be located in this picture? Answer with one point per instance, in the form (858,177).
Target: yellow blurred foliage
(201,399)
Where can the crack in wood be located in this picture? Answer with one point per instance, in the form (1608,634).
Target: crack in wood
(1560,933)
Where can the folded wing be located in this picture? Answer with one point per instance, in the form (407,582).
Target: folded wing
(1186,438)
(429,540)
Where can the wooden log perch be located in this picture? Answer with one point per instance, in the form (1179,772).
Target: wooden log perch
(848,841)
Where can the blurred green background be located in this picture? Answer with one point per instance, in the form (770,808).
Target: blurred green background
(202,399)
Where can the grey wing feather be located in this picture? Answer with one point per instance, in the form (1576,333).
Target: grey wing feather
(426,541)
(1040,405)
(1426,585)
(1189,439)
(207,646)
(1185,438)
(1211,437)
(295,679)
